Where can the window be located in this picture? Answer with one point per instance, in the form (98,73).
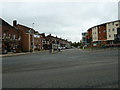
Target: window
(104,31)
(113,29)
(112,23)
(109,30)
(116,24)
(109,35)
(115,35)
(4,34)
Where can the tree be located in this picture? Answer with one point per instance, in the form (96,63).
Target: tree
(76,44)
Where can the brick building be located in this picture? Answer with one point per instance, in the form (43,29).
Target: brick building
(112,31)
(84,38)
(89,37)
(37,41)
(30,39)
(104,34)
(0,36)
(58,42)
(117,38)
(45,42)
(10,37)
(27,35)
(22,38)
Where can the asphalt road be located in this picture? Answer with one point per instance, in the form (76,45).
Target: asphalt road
(72,68)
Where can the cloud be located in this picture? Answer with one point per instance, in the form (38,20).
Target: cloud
(63,19)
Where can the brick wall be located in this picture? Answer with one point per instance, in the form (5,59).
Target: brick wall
(102,35)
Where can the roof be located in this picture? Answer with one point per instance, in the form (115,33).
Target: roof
(59,38)
(104,23)
(4,23)
(26,28)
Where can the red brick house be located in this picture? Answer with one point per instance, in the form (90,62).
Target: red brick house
(27,35)
(10,37)
(58,42)
(37,41)
(44,41)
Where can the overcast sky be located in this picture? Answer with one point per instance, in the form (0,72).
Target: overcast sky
(63,19)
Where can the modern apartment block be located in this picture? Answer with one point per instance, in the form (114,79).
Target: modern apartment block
(89,36)
(95,34)
(104,34)
(112,31)
(84,38)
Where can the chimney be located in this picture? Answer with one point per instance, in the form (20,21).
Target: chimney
(14,22)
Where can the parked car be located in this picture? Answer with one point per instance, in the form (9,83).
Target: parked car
(13,50)
(4,51)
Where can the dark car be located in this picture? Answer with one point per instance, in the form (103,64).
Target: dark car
(4,51)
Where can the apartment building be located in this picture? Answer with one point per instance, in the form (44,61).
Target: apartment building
(112,31)
(37,41)
(10,37)
(89,36)
(95,34)
(27,35)
(0,36)
(84,38)
(104,34)
(117,39)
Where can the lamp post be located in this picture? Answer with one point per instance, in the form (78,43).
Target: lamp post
(33,36)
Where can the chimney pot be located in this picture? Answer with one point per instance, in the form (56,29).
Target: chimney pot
(14,22)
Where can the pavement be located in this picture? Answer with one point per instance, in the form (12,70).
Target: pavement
(71,68)
(17,54)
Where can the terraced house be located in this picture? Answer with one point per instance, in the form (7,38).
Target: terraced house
(27,35)
(10,37)
(21,38)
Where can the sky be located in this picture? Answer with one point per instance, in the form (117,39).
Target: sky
(65,19)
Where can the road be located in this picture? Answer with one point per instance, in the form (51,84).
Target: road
(72,68)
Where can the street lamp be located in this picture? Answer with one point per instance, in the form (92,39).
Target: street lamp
(33,36)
